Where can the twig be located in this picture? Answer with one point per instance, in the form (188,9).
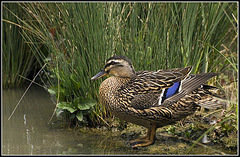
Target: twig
(57,96)
(31,80)
(212,112)
(26,91)
(101,118)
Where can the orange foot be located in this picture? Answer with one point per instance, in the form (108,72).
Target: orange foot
(146,140)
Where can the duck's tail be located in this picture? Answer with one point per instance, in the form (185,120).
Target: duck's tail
(211,97)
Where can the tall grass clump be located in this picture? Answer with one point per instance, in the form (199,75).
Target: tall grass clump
(228,80)
(75,39)
(18,60)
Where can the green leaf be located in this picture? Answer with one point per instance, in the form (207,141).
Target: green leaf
(58,112)
(79,116)
(66,106)
(83,106)
(51,91)
(86,104)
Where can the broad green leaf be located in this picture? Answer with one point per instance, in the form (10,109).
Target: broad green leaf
(86,104)
(66,106)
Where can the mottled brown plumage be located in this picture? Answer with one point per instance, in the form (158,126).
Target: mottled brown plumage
(152,99)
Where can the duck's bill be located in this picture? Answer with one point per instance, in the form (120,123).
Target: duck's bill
(99,75)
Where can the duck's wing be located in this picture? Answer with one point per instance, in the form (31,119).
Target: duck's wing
(189,84)
(149,89)
(146,106)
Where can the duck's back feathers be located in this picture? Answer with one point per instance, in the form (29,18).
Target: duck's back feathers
(146,81)
(149,89)
(161,88)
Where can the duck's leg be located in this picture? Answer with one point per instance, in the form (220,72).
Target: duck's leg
(142,138)
(147,141)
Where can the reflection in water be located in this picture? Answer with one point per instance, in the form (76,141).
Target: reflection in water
(28,132)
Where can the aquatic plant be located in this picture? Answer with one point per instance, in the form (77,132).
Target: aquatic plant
(18,60)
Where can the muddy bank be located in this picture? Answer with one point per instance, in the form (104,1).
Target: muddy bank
(173,139)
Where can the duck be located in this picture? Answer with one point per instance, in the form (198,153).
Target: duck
(153,99)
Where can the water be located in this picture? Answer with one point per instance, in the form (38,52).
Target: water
(28,132)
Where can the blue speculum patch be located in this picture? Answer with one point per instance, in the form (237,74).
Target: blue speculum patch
(172,90)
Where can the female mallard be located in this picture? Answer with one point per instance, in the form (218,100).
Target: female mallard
(152,98)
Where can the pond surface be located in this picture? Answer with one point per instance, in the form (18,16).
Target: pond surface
(28,132)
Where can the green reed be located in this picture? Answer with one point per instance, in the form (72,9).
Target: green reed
(75,39)
(18,61)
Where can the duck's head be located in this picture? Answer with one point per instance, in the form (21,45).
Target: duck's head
(119,66)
